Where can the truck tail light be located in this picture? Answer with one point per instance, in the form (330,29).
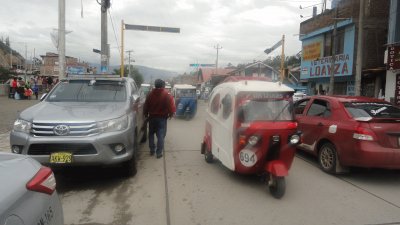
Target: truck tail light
(43,181)
(364,134)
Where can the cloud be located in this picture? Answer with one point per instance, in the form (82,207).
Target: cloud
(243,27)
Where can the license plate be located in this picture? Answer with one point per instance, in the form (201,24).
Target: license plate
(61,157)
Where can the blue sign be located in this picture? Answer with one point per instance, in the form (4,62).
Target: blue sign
(76,70)
(104,69)
(202,65)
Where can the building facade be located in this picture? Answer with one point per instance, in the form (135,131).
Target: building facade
(317,39)
(50,65)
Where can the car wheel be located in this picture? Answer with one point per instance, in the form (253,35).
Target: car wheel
(129,167)
(327,158)
(277,187)
(208,156)
(187,116)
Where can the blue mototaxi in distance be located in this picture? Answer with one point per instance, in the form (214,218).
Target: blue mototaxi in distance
(185,100)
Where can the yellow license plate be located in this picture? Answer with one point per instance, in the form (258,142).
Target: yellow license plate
(61,157)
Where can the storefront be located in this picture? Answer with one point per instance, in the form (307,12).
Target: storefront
(317,65)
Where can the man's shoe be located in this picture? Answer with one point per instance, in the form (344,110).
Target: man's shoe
(159,156)
(151,153)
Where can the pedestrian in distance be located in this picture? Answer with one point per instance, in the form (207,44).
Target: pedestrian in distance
(49,83)
(158,107)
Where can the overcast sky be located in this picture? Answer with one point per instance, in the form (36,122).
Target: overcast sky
(244,29)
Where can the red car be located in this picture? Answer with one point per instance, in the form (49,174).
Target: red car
(348,131)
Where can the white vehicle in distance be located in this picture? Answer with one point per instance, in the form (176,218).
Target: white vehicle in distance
(299,95)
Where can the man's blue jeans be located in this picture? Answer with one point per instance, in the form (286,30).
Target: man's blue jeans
(158,127)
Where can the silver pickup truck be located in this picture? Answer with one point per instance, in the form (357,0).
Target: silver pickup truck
(83,120)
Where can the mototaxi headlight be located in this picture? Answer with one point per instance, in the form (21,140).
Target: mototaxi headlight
(113,125)
(22,126)
(253,140)
(294,139)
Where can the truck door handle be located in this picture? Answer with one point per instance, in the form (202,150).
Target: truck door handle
(320,124)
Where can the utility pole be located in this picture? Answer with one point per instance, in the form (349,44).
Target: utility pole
(332,75)
(105,54)
(26,59)
(129,61)
(216,64)
(359,50)
(10,57)
(122,48)
(61,38)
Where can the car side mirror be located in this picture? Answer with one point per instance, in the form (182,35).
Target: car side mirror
(43,96)
(135,98)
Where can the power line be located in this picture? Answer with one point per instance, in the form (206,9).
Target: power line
(115,34)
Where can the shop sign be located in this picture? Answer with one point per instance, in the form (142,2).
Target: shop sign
(394,58)
(323,67)
(397,91)
(312,51)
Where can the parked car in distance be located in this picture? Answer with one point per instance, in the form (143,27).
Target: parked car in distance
(298,95)
(28,192)
(84,120)
(349,131)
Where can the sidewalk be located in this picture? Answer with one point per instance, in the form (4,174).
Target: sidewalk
(9,111)
(5,142)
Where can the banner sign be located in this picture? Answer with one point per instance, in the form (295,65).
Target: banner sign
(394,58)
(315,65)
(312,51)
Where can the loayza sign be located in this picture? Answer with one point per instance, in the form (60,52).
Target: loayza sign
(322,67)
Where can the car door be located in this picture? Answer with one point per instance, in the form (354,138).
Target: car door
(138,103)
(225,134)
(314,122)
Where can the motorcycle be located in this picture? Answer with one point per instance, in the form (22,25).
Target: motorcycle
(185,100)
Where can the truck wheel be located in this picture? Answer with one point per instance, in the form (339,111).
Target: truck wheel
(277,187)
(327,158)
(208,156)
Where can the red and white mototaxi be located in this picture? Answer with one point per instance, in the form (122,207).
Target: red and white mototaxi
(250,128)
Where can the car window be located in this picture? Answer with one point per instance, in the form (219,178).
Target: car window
(226,106)
(215,104)
(84,91)
(319,108)
(369,110)
(300,106)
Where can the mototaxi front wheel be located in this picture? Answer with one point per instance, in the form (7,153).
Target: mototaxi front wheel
(277,187)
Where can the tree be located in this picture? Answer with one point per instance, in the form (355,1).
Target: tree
(135,74)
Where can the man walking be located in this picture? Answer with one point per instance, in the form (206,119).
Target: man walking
(158,107)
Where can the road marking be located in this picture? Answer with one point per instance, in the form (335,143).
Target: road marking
(166,191)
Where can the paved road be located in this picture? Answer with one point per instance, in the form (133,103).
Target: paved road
(182,189)
(9,110)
